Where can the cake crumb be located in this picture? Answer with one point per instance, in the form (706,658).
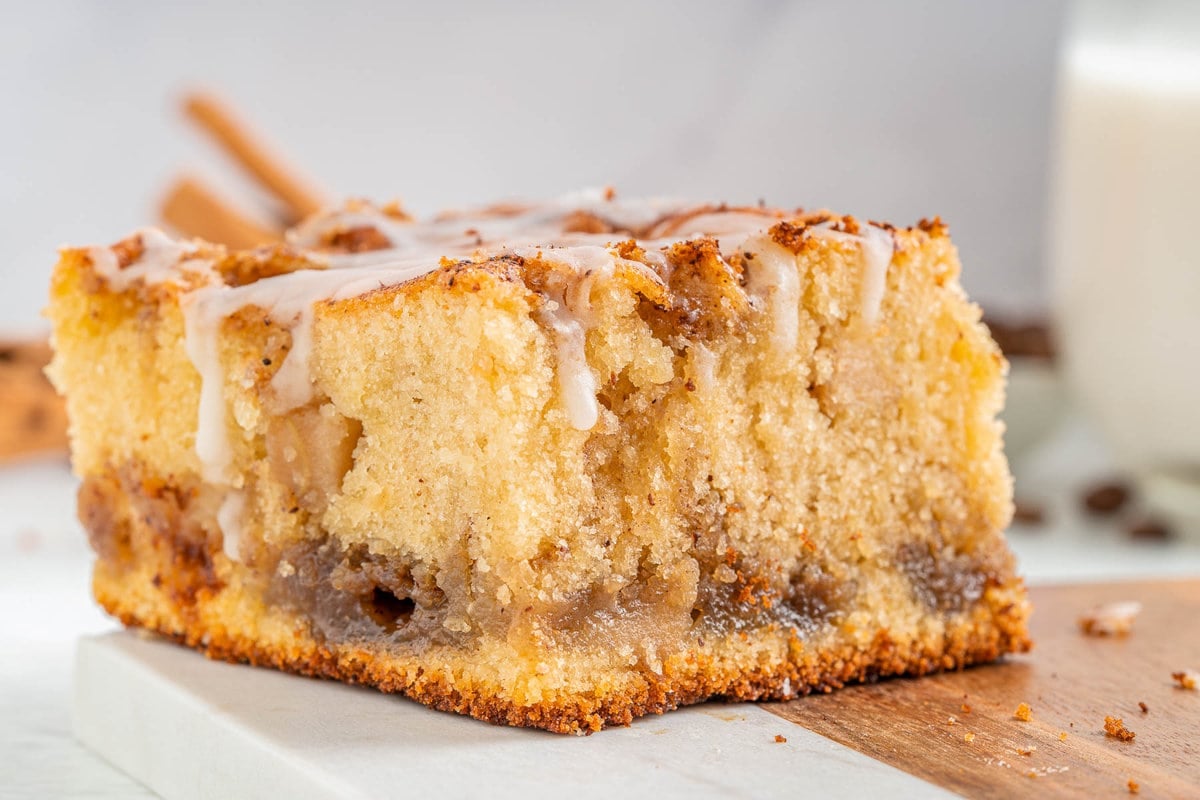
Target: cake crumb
(968,737)
(952,720)
(1187,679)
(1145,708)
(1023,712)
(1115,727)
(1110,619)
(1133,786)
(1062,736)
(966,709)
(1027,750)
(780,738)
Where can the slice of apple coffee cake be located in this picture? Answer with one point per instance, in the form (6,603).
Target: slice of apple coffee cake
(554,465)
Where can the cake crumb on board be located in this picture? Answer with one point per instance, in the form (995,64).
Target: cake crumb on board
(1094,677)
(1187,679)
(1115,727)
(1023,712)
(1110,619)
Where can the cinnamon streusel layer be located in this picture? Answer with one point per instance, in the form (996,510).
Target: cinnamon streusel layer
(556,465)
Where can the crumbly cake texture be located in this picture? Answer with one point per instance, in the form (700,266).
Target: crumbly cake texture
(557,465)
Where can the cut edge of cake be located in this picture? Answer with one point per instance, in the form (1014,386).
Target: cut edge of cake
(788,475)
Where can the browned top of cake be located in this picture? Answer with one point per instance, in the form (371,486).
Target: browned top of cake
(361,237)
(701,270)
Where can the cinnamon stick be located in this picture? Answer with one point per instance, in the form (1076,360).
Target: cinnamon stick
(219,122)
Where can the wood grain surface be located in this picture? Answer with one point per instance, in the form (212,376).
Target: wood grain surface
(33,418)
(1071,682)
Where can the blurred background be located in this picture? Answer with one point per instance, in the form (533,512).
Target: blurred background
(1060,141)
(886,110)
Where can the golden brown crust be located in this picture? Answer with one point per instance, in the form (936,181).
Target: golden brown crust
(964,645)
(705,273)
(157,572)
(725,565)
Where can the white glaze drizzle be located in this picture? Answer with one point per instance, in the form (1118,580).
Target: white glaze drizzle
(576,383)
(417,248)
(569,317)
(104,261)
(465,234)
(878,248)
(723,224)
(289,300)
(704,366)
(161,260)
(202,345)
(773,282)
(229,520)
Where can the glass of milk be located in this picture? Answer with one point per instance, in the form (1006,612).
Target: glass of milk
(1126,238)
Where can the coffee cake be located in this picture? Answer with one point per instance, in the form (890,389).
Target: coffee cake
(555,465)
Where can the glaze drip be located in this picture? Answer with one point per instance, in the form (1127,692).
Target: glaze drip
(878,246)
(587,261)
(160,259)
(773,281)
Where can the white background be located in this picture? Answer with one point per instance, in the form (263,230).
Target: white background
(883,109)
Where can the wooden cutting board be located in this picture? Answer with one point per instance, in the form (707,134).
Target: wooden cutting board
(35,417)
(1071,682)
